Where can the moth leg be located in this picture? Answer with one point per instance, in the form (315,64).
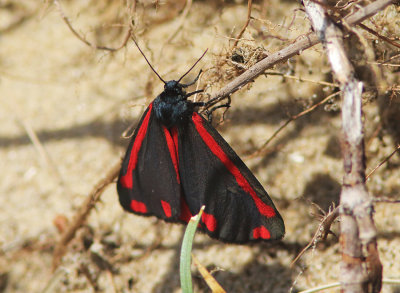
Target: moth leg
(193,82)
(209,112)
(192,93)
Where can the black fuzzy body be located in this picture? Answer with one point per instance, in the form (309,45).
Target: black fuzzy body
(172,107)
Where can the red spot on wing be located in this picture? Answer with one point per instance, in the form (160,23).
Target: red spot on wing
(126,180)
(171,137)
(210,221)
(167,208)
(185,212)
(138,206)
(261,232)
(263,208)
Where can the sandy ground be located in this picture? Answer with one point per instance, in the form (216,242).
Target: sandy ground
(78,101)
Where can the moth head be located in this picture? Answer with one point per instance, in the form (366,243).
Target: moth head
(173,87)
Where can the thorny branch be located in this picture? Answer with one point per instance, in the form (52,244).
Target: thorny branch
(324,226)
(322,231)
(361,269)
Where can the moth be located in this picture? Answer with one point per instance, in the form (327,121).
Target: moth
(177,162)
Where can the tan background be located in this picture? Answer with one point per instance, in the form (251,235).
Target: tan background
(78,101)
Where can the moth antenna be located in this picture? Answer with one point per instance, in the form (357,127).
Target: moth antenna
(193,66)
(137,45)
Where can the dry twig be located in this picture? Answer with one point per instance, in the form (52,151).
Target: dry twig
(208,278)
(386,200)
(386,39)
(249,5)
(302,79)
(83,213)
(68,23)
(179,27)
(383,162)
(294,117)
(321,233)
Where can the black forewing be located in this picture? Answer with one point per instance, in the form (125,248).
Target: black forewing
(149,187)
(231,212)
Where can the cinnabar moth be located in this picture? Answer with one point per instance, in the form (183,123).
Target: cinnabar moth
(177,161)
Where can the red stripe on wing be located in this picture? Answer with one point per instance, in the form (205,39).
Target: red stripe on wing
(126,180)
(172,141)
(174,133)
(263,208)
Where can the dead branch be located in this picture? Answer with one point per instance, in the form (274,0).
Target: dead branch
(71,28)
(208,277)
(302,79)
(383,162)
(83,213)
(386,39)
(249,5)
(359,273)
(297,47)
(179,27)
(294,117)
(322,232)
(386,200)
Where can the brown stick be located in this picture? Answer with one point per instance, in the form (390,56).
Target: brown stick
(297,47)
(71,28)
(179,27)
(383,162)
(386,39)
(359,273)
(249,5)
(83,213)
(293,118)
(321,233)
